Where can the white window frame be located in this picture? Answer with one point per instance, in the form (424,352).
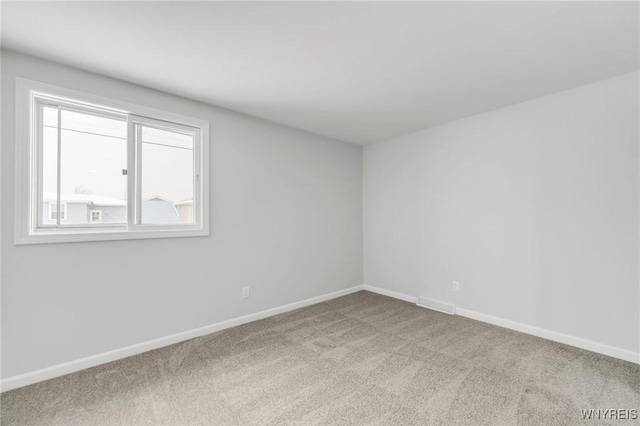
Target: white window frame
(28,226)
(63,207)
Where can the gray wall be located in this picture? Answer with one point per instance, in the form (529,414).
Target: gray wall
(533,208)
(286,219)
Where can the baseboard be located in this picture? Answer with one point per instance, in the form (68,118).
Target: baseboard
(91,361)
(395,295)
(577,342)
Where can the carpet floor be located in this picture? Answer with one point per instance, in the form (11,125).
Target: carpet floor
(358,359)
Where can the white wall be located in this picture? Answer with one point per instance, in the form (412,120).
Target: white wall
(286,219)
(533,208)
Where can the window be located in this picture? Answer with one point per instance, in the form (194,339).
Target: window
(95,216)
(53,211)
(92,168)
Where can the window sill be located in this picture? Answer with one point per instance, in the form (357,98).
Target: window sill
(45,237)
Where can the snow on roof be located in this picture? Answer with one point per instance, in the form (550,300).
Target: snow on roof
(93,199)
(158,197)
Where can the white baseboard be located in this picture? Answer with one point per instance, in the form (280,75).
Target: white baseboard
(395,295)
(105,357)
(578,342)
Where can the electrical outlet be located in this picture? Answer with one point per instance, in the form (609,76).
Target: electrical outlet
(455,286)
(245,292)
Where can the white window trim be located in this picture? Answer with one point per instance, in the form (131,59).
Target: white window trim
(26,229)
(61,208)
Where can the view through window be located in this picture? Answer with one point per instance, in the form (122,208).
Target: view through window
(85,155)
(103,168)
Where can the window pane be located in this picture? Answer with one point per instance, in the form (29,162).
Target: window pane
(93,155)
(53,211)
(167,176)
(49,164)
(95,216)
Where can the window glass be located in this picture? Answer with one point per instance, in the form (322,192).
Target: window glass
(92,169)
(49,169)
(167,176)
(92,158)
(53,212)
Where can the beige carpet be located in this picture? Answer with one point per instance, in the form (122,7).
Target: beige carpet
(359,359)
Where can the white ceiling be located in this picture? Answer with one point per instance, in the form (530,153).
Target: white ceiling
(358,72)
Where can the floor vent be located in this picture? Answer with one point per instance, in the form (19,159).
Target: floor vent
(436,306)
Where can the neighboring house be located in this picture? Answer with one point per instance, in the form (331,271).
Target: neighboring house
(185,211)
(157,209)
(83,208)
(94,209)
